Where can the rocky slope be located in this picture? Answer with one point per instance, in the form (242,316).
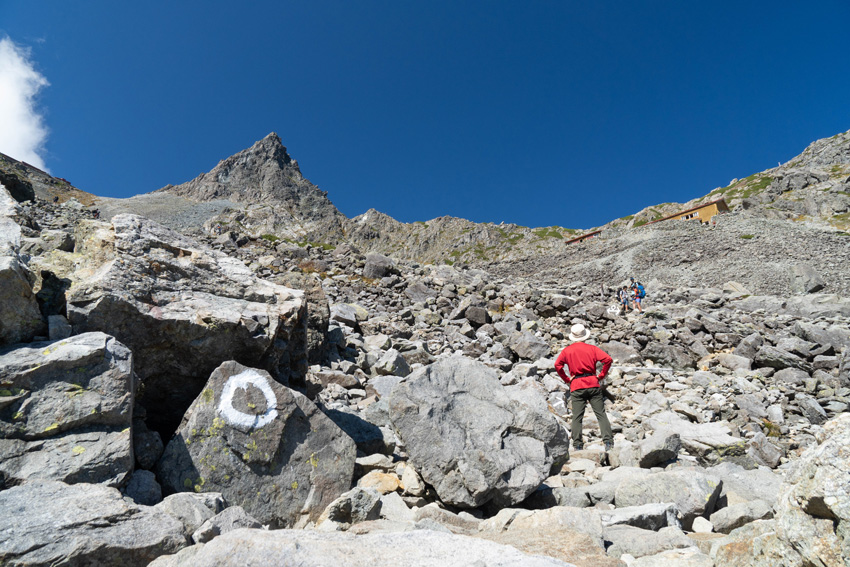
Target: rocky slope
(766,256)
(165,397)
(813,187)
(28,181)
(393,409)
(260,192)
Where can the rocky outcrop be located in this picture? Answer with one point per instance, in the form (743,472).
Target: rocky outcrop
(66,408)
(265,447)
(19,188)
(183,310)
(279,200)
(811,514)
(20,318)
(469,439)
(52,523)
(814,509)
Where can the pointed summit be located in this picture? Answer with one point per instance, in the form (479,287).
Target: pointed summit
(264,172)
(271,148)
(267,182)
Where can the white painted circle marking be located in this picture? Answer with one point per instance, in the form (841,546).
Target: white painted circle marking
(241,381)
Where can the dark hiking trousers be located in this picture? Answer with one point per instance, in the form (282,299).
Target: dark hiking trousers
(579,399)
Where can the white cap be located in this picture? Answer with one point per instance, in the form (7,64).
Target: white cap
(579,333)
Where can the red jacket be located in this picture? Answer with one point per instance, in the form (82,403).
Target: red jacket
(581,358)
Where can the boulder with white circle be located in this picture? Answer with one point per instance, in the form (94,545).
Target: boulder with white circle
(264,446)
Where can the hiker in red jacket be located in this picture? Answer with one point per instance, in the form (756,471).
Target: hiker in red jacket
(580,359)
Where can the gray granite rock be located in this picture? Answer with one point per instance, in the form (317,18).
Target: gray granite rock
(225,521)
(658,448)
(692,491)
(638,542)
(356,505)
(143,488)
(727,519)
(469,440)
(647,517)
(263,446)
(815,502)
(182,309)
(52,523)
(67,411)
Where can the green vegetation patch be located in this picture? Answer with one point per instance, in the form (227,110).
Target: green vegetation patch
(747,187)
(270,237)
(547,233)
(511,237)
(760,184)
(747,236)
(323,245)
(771,429)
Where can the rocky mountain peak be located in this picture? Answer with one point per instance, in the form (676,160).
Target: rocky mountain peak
(267,182)
(270,148)
(263,172)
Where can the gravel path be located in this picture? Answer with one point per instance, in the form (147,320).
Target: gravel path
(177,213)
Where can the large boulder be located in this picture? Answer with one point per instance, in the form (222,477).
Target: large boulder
(378,266)
(569,534)
(52,523)
(469,439)
(744,485)
(20,318)
(66,411)
(182,309)
(779,359)
(621,353)
(638,542)
(805,279)
(710,442)
(423,548)
(264,446)
(727,519)
(673,356)
(694,492)
(528,346)
(835,336)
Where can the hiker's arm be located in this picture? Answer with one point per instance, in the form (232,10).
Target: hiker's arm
(606,361)
(559,367)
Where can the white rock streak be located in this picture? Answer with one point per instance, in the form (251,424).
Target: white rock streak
(242,381)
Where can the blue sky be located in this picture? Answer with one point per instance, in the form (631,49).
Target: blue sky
(539,113)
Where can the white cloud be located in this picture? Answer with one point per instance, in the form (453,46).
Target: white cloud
(22,129)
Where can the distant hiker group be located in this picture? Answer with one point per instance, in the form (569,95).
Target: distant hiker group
(631,297)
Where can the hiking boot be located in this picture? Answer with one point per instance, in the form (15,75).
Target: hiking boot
(578,446)
(609,445)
